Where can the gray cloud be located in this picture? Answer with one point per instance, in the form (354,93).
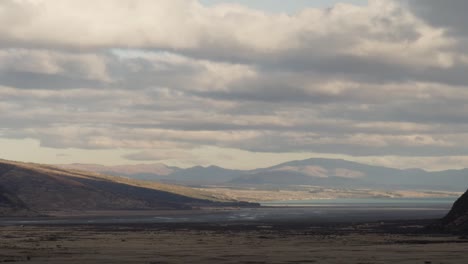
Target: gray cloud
(450,13)
(367,81)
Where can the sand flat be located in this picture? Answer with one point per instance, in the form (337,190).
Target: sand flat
(223,244)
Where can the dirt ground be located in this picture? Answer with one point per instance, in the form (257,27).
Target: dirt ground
(209,243)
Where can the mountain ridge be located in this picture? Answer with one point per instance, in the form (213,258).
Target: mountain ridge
(315,171)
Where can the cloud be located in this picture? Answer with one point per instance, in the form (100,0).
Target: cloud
(448,14)
(159,155)
(382,31)
(374,80)
(82,65)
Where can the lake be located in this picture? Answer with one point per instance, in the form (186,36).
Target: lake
(312,211)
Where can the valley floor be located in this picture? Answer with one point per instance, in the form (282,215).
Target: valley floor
(234,243)
(313,192)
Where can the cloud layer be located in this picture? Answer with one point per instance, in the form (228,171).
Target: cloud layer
(169,76)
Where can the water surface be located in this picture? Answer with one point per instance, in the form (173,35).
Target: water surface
(313,211)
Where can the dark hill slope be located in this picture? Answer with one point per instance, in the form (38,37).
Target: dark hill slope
(45,188)
(10,204)
(457,218)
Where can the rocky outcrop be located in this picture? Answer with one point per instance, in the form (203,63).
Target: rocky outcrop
(457,219)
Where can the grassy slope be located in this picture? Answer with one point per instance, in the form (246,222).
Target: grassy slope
(44,187)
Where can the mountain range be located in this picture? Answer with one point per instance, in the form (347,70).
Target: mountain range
(335,173)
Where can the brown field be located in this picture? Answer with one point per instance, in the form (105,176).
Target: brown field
(237,243)
(313,193)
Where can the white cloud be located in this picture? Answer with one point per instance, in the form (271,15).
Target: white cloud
(381,30)
(161,77)
(87,66)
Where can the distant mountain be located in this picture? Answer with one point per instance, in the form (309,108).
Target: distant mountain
(335,173)
(342,173)
(197,175)
(204,175)
(457,218)
(155,171)
(41,188)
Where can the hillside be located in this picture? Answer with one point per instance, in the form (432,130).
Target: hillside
(41,188)
(10,204)
(457,218)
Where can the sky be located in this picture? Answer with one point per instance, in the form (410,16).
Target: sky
(238,84)
(282,6)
